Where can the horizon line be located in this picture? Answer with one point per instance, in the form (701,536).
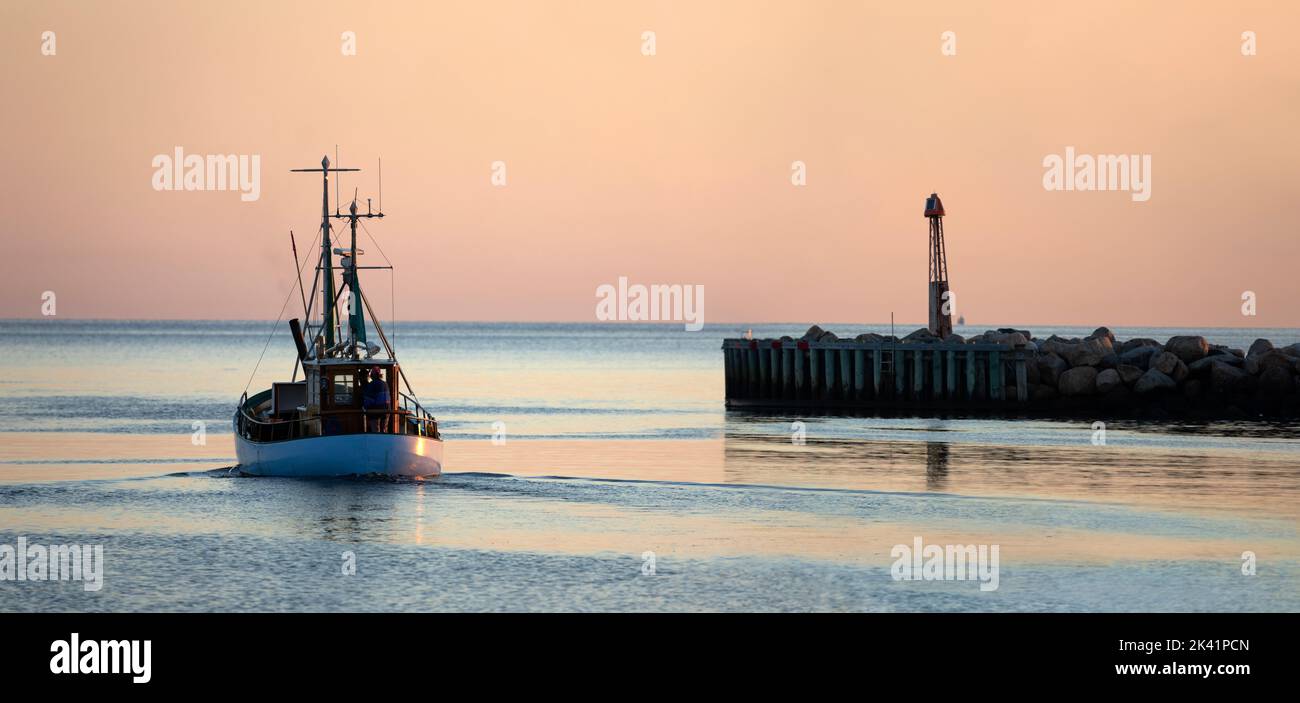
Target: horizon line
(669,323)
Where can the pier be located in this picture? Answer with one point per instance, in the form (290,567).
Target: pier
(874,373)
(1010,372)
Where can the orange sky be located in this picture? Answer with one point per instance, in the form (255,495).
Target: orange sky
(673,168)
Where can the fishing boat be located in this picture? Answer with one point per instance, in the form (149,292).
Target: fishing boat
(349,414)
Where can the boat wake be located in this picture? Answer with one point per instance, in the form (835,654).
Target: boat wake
(223,472)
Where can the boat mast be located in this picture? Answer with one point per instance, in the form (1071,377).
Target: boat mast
(356,316)
(355,319)
(326,267)
(327,261)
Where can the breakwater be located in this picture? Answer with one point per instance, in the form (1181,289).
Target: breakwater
(1009,371)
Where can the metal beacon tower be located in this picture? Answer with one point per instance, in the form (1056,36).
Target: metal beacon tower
(940,302)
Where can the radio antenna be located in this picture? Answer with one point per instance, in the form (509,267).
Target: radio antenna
(336,181)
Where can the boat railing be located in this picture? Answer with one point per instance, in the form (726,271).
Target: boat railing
(413,406)
(409,419)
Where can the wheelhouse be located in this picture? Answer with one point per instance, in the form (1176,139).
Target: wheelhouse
(332,400)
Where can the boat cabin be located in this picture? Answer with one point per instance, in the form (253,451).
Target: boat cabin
(333,399)
(337,393)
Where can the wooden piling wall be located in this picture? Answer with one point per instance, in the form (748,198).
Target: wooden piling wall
(846,373)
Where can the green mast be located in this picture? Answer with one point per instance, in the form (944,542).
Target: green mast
(357,304)
(355,317)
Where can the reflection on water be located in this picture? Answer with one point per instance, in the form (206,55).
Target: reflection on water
(1021,458)
(936,465)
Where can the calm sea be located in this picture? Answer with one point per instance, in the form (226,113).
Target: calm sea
(618,482)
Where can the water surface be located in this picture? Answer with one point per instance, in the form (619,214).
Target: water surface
(617,454)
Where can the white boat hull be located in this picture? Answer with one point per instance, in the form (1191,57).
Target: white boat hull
(342,455)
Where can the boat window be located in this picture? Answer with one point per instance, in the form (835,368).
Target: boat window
(343,389)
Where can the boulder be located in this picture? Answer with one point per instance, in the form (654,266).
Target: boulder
(1136,343)
(1107,381)
(1139,356)
(1164,362)
(1128,374)
(1056,345)
(1193,388)
(1031,371)
(1050,368)
(921,336)
(954,338)
(814,333)
(828,337)
(1291,350)
(1179,373)
(1104,332)
(1089,352)
(1225,378)
(1274,358)
(869,338)
(1189,348)
(1153,381)
(1009,330)
(1109,361)
(1008,338)
(1202,366)
(1221,350)
(1276,381)
(1259,346)
(1081,380)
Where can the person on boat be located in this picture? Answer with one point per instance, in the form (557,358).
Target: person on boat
(375,397)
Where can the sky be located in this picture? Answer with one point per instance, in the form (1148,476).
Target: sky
(676,165)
